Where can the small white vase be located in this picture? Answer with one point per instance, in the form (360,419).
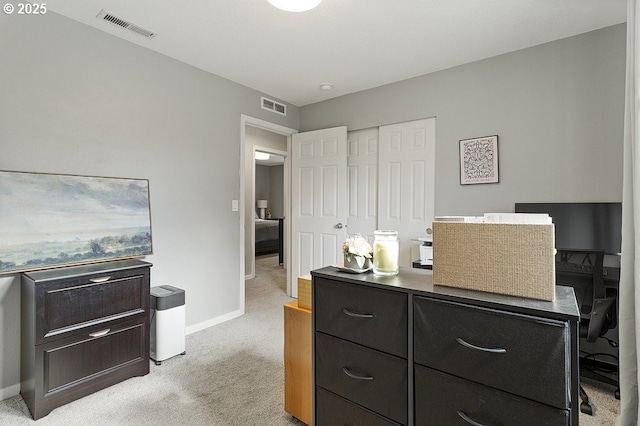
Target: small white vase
(352,262)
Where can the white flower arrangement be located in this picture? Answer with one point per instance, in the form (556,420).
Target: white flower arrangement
(357,248)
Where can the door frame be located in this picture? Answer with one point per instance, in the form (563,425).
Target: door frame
(246,120)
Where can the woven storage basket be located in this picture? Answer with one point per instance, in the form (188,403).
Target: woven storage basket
(512,259)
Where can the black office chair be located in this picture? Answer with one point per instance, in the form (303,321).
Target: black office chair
(598,312)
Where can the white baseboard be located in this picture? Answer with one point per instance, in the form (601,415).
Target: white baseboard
(214,321)
(9,391)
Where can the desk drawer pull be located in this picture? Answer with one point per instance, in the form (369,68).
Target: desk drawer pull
(100,333)
(355,376)
(478,348)
(355,314)
(100,280)
(468,420)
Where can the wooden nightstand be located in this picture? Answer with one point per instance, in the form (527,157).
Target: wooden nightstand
(297,361)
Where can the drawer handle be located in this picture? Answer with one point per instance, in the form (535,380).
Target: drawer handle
(479,348)
(355,376)
(100,333)
(468,420)
(355,314)
(99,280)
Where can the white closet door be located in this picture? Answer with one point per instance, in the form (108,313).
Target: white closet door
(362,182)
(406,192)
(318,200)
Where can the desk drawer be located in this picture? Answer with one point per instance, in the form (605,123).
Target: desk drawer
(523,355)
(370,378)
(69,306)
(371,317)
(442,399)
(80,360)
(334,410)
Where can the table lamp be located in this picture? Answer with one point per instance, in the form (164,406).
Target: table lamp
(262,205)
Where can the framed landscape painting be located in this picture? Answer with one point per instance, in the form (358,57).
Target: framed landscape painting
(479,160)
(52,220)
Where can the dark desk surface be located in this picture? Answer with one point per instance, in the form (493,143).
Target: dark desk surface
(419,265)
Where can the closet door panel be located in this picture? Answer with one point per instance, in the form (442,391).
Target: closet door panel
(362,178)
(406,193)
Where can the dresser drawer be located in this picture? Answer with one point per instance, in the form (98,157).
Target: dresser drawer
(66,306)
(372,379)
(77,360)
(523,355)
(442,399)
(333,410)
(372,317)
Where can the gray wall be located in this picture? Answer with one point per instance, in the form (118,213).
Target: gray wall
(276,193)
(263,184)
(557,109)
(76,100)
(270,187)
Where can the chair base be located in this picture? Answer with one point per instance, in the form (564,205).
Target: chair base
(585,405)
(593,375)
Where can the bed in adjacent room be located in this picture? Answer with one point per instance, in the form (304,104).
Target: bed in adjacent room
(268,236)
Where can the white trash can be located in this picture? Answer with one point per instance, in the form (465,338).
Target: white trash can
(167,337)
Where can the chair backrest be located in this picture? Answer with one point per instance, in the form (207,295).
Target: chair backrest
(598,313)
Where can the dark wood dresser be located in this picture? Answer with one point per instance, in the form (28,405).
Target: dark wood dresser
(399,350)
(84,328)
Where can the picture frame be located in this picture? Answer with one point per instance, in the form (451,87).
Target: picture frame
(479,160)
(53,220)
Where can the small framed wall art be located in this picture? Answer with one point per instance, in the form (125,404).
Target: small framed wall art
(479,160)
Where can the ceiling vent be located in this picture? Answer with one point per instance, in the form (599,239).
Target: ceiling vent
(274,106)
(106,16)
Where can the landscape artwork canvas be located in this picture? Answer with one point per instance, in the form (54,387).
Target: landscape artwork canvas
(52,220)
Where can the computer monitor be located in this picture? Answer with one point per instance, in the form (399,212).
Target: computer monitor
(582,226)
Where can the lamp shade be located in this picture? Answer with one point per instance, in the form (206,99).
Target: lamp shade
(261,204)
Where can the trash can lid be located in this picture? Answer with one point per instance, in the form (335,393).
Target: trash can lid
(166,297)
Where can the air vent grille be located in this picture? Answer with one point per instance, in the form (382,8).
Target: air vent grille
(274,106)
(106,16)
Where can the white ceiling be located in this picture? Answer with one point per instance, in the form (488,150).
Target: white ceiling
(352,44)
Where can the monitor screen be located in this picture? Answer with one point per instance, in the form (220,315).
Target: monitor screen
(582,226)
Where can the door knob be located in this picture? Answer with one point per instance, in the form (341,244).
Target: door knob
(339,225)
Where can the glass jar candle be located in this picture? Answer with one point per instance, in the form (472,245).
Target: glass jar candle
(385,253)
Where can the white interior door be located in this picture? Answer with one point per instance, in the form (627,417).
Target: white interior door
(318,200)
(362,182)
(406,190)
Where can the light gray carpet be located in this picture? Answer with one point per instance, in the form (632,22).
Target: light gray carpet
(232,374)
(605,407)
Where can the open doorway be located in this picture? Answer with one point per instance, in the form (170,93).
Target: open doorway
(269,216)
(264,195)
(261,136)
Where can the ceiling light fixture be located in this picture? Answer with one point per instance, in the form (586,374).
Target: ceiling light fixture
(295,5)
(326,86)
(261,156)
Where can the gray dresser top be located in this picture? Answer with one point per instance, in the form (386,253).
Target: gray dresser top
(419,282)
